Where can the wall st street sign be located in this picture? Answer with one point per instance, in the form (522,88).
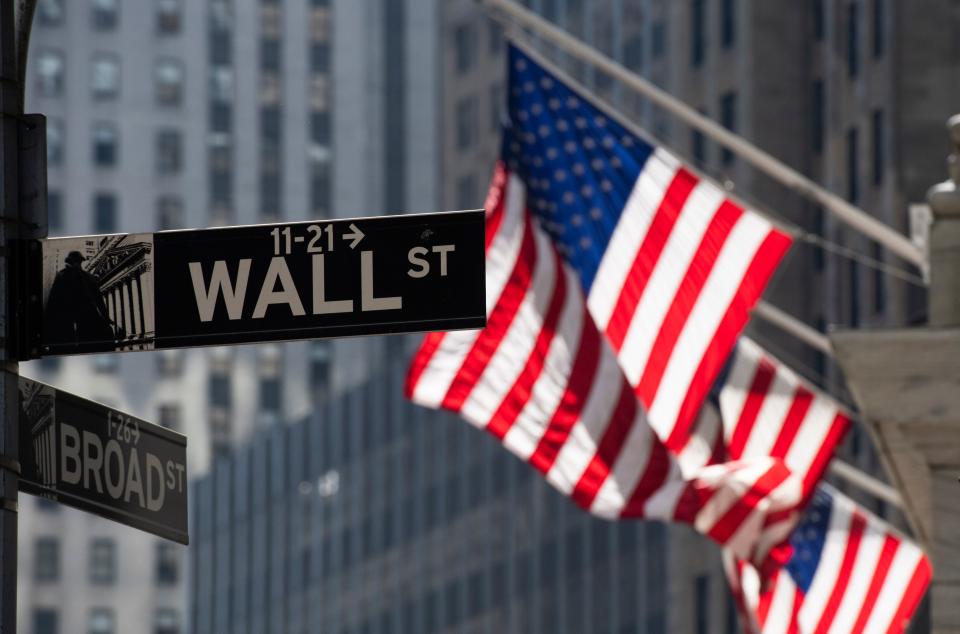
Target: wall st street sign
(103,461)
(362,276)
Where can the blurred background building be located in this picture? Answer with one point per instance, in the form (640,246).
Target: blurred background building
(369,515)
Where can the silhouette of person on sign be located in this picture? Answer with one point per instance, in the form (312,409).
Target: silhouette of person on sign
(76,314)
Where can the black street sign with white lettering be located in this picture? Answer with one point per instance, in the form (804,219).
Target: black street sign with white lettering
(103,461)
(303,280)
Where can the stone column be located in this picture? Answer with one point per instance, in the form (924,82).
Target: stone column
(125,302)
(907,383)
(944,201)
(135,307)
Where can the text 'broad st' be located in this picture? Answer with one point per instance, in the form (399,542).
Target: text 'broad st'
(98,459)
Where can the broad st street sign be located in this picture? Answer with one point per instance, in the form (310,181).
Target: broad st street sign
(103,461)
(338,278)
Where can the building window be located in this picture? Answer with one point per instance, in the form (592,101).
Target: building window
(220,52)
(168,151)
(496,106)
(50,12)
(853,165)
(221,84)
(104,144)
(467,193)
(495,37)
(103,561)
(46,621)
(464,44)
(728,23)
(701,601)
(819,229)
(219,390)
(46,559)
(697,32)
(270,193)
(168,415)
(221,116)
(817,115)
(54,211)
(168,82)
(853,39)
(50,73)
(659,36)
(876,120)
(169,362)
(320,128)
(55,141)
(220,188)
(320,57)
(104,213)
(169,213)
(270,123)
(319,186)
(879,283)
(105,76)
(105,363)
(466,123)
(104,14)
(101,621)
(733,618)
(698,143)
(728,118)
(168,17)
(879,28)
(320,366)
(270,54)
(270,400)
(633,52)
(167,564)
(166,621)
(853,272)
(817,17)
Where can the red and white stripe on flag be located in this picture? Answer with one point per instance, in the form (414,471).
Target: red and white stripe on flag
(542,379)
(684,267)
(768,410)
(852,572)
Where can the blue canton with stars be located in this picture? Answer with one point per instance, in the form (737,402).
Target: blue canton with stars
(808,539)
(578,165)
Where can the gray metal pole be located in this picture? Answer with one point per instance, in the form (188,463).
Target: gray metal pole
(15,19)
(849,214)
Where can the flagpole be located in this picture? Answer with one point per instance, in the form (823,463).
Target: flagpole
(871,485)
(844,211)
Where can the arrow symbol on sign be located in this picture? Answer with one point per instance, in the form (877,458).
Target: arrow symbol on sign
(356,236)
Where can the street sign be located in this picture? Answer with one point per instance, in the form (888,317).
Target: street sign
(338,278)
(103,461)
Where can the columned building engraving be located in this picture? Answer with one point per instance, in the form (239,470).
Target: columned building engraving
(124,267)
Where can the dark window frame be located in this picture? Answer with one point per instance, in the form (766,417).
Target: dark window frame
(698,32)
(103,561)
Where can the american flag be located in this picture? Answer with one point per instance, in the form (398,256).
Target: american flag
(765,409)
(543,379)
(667,267)
(669,264)
(850,572)
(769,410)
(848,557)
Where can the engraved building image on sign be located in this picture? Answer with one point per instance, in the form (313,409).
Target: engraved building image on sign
(98,293)
(37,410)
